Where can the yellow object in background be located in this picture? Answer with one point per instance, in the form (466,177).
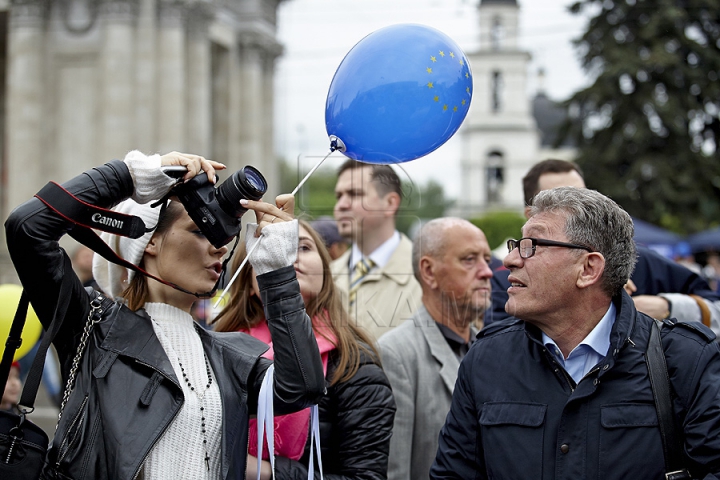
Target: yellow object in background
(9,298)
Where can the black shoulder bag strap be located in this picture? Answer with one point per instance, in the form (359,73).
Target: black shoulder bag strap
(672,444)
(13,341)
(32,382)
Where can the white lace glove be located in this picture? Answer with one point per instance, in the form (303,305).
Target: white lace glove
(150,182)
(278,246)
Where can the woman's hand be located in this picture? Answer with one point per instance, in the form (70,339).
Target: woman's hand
(194,164)
(266,213)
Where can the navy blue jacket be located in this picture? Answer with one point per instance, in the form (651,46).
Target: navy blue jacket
(653,274)
(516,414)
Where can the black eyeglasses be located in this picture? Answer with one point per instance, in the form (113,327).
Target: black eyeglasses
(526,246)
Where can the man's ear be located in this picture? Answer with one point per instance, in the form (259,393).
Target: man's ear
(592,270)
(427,272)
(392,202)
(527,211)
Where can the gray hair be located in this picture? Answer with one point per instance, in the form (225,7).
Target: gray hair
(595,221)
(429,240)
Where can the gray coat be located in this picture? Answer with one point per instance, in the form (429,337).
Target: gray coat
(422,370)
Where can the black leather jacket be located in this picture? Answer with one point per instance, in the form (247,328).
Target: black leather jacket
(126,393)
(356,421)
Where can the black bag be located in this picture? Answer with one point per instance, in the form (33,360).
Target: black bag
(22,443)
(22,447)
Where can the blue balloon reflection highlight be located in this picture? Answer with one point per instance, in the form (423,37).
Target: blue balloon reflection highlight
(399,94)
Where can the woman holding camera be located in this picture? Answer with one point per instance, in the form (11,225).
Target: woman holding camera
(356,415)
(156,397)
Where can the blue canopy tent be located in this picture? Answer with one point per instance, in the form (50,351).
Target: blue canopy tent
(661,240)
(705,241)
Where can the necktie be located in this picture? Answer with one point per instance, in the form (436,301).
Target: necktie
(361,269)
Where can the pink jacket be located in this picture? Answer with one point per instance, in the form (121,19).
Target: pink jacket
(291,431)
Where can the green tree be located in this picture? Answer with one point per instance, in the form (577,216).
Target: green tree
(421,202)
(498,226)
(648,127)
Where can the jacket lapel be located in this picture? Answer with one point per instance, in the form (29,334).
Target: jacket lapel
(439,349)
(144,347)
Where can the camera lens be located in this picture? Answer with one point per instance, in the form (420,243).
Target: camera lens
(247,183)
(255,179)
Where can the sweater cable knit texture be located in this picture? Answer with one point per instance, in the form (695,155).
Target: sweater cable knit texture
(180,452)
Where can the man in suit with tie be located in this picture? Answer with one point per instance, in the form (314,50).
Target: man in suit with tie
(376,272)
(421,357)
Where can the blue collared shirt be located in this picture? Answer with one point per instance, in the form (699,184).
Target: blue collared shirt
(589,352)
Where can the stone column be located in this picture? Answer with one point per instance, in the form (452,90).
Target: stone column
(25,157)
(270,165)
(117,71)
(145,127)
(251,99)
(171,98)
(199,68)
(221,69)
(25,97)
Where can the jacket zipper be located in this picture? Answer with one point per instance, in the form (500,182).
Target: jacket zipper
(67,442)
(162,432)
(593,370)
(559,368)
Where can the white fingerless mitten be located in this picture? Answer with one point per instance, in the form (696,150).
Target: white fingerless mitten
(278,246)
(150,182)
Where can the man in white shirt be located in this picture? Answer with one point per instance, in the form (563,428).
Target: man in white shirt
(376,273)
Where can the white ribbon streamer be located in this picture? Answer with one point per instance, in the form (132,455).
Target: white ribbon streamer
(266,423)
(266,420)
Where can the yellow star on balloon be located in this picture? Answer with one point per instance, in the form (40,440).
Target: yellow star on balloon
(442,54)
(433,59)
(430,85)
(429,70)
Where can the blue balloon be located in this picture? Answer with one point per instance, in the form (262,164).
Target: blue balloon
(399,93)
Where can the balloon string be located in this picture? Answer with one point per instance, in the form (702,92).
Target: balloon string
(237,272)
(312,170)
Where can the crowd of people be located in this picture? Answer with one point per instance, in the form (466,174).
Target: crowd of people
(427,358)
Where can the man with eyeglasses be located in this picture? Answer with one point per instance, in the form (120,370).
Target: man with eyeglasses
(659,286)
(563,391)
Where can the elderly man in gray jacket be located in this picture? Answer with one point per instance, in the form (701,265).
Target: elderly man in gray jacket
(421,357)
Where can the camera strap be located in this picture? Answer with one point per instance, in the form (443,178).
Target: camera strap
(87,217)
(81,213)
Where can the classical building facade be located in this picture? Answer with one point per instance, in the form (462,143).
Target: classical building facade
(505,131)
(88,80)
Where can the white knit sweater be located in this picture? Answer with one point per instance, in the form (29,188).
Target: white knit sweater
(180,453)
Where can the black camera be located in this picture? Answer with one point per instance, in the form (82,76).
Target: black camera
(217,210)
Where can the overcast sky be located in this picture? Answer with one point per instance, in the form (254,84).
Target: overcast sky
(317,34)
